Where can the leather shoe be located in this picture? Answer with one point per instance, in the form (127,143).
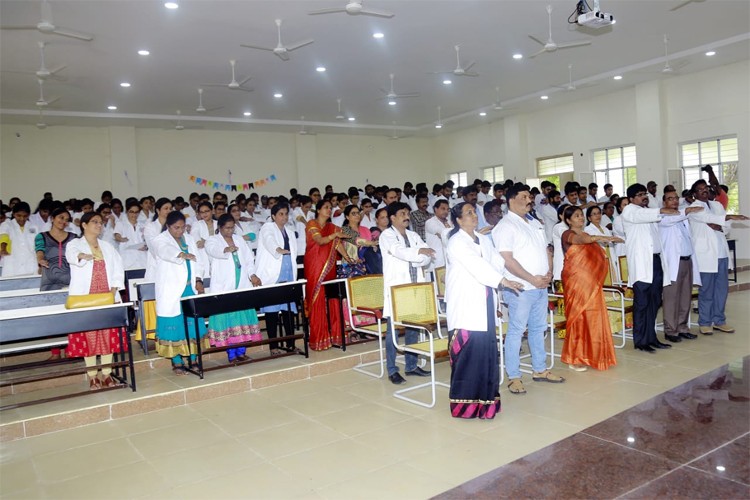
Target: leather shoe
(706,330)
(396,378)
(661,345)
(688,335)
(646,348)
(418,372)
(673,338)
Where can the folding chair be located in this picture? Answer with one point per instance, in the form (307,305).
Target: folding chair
(414,306)
(365,298)
(619,305)
(439,282)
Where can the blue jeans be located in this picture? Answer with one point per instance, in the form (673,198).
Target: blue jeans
(528,307)
(712,295)
(390,350)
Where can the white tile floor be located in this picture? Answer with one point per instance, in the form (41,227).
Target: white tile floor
(340,436)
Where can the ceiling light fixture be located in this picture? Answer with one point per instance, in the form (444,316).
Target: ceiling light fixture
(617,77)
(351,118)
(483,113)
(247,113)
(278,95)
(544,98)
(125,85)
(720,468)
(143,52)
(439,123)
(320,69)
(378,35)
(517,56)
(711,53)
(391,103)
(447,82)
(171,5)
(112,108)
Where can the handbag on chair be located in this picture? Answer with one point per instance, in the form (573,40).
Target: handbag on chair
(90,300)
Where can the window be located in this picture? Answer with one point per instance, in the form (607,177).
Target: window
(460,179)
(549,169)
(722,155)
(616,166)
(493,174)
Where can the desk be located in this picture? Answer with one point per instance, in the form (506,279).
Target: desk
(20,327)
(200,307)
(20,299)
(21,282)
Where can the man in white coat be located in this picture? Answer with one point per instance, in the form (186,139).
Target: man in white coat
(677,248)
(646,266)
(707,229)
(405,256)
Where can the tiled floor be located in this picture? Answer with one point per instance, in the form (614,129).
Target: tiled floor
(343,435)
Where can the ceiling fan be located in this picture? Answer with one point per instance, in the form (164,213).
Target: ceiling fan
(460,70)
(179,125)
(668,68)
(353,8)
(498,104)
(43,73)
(233,84)
(201,108)
(47,27)
(570,87)
(41,124)
(340,117)
(281,50)
(439,122)
(391,95)
(394,136)
(684,4)
(42,102)
(303,130)
(550,45)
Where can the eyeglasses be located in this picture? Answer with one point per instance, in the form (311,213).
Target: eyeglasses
(641,195)
(205,211)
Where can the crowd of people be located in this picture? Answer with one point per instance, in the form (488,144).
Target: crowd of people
(505,243)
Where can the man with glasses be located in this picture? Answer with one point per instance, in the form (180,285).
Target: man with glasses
(645,265)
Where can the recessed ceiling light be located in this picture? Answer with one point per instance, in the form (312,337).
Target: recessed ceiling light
(544,98)
(617,77)
(320,69)
(631,439)
(391,103)
(171,5)
(278,95)
(112,108)
(143,52)
(247,113)
(720,468)
(351,118)
(483,113)
(711,53)
(125,85)
(378,35)
(438,125)
(517,56)
(447,82)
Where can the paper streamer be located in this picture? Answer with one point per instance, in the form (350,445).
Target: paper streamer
(245,186)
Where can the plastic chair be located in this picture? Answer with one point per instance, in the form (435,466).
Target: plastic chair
(365,298)
(414,306)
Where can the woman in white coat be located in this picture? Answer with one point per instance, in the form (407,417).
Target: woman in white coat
(178,274)
(129,234)
(596,227)
(153,228)
(201,231)
(95,267)
(21,259)
(233,269)
(277,263)
(474,272)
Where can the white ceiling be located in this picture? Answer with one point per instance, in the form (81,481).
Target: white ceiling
(192,46)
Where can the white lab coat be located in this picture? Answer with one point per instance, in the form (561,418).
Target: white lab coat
(397,258)
(619,230)
(151,230)
(222,264)
(550,219)
(434,230)
(171,273)
(22,258)
(558,257)
(640,232)
(268,265)
(608,247)
(199,231)
(132,256)
(40,223)
(471,268)
(707,242)
(670,245)
(81,270)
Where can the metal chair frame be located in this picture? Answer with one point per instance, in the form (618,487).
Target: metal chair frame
(360,302)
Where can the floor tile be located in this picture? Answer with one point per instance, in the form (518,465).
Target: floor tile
(690,483)
(729,461)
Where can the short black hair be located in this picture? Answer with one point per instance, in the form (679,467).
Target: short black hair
(516,188)
(636,188)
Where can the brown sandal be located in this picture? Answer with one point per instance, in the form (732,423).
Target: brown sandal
(516,387)
(95,384)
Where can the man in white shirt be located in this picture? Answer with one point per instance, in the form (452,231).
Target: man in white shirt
(549,213)
(653,200)
(678,251)
(484,194)
(435,228)
(593,189)
(646,273)
(522,243)
(707,229)
(405,256)
(608,189)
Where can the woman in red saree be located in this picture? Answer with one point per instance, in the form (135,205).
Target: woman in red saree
(323,245)
(588,341)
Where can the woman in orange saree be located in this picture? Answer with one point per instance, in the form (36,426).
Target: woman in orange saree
(588,341)
(323,244)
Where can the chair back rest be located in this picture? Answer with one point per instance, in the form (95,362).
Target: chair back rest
(366,291)
(440,280)
(623,262)
(414,302)
(608,277)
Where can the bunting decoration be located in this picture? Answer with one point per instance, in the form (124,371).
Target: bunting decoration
(220,186)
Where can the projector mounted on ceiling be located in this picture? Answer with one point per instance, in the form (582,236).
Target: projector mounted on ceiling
(592,18)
